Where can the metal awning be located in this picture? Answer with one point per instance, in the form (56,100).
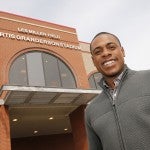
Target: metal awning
(42,95)
(32,106)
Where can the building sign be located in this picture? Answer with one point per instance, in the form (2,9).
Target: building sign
(38,38)
(39,33)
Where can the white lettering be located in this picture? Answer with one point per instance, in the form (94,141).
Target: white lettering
(38,33)
(37,40)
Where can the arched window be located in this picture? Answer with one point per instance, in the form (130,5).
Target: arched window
(94,79)
(40,69)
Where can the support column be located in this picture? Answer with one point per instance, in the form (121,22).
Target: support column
(5,140)
(78,128)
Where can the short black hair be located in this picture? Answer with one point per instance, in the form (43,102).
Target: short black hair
(101,33)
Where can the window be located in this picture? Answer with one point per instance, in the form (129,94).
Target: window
(94,79)
(41,69)
(18,72)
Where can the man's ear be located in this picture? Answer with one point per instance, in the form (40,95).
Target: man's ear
(93,60)
(123,52)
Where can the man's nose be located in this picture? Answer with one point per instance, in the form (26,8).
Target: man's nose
(106,53)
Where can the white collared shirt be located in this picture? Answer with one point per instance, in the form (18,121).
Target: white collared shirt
(113,92)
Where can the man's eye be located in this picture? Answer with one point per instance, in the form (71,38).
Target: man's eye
(112,47)
(97,52)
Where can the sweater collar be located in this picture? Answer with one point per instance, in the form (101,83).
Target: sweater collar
(103,84)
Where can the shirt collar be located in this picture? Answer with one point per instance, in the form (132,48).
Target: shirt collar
(116,81)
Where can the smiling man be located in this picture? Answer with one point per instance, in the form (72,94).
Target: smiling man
(108,56)
(118,118)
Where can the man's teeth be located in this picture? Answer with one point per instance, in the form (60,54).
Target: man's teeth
(109,62)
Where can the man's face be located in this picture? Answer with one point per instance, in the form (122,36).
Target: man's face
(107,55)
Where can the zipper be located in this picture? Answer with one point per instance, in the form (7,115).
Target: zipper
(113,99)
(119,127)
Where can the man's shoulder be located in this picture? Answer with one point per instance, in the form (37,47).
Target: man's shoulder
(143,72)
(139,76)
(138,72)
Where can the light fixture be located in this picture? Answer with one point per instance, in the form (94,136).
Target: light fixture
(65,129)
(15,119)
(51,118)
(35,132)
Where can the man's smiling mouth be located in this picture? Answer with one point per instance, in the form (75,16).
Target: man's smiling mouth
(108,63)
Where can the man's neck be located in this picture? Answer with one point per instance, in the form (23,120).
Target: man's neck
(110,82)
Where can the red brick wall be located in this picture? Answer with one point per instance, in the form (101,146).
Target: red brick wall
(53,142)
(78,128)
(4,129)
(11,48)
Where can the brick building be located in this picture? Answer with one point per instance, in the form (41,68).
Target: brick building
(47,78)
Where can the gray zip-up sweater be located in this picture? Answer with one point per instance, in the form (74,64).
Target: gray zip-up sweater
(123,123)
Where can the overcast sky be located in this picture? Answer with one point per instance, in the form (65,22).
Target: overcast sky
(128,19)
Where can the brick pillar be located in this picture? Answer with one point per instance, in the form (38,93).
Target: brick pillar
(5,141)
(78,128)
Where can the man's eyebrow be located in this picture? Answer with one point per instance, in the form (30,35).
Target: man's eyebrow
(111,43)
(107,44)
(96,48)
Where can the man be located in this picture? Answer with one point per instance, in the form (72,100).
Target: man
(118,118)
